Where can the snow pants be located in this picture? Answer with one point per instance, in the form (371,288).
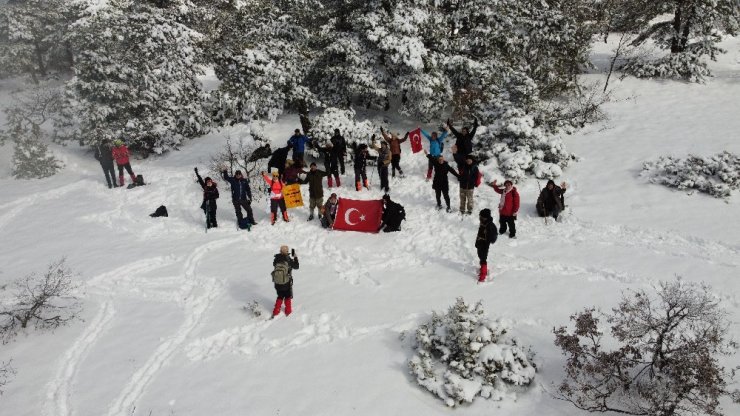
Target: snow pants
(209,208)
(284,291)
(130,171)
(110,174)
(275,203)
(483,254)
(247,205)
(383,173)
(507,220)
(466,200)
(396,164)
(442,192)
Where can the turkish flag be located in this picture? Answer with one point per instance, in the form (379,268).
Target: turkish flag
(357,215)
(415,140)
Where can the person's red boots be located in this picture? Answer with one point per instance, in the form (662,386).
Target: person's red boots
(278,305)
(288,306)
(483,273)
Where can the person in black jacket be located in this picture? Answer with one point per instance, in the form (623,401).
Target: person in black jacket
(487,234)
(464,140)
(361,167)
(551,201)
(284,285)
(440,182)
(104,155)
(393,214)
(210,195)
(241,195)
(278,159)
(339,149)
(468,182)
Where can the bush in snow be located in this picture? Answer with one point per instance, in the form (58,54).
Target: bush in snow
(43,301)
(6,371)
(355,132)
(245,153)
(687,66)
(661,356)
(31,156)
(522,147)
(463,354)
(716,175)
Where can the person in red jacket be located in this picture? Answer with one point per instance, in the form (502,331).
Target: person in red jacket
(508,207)
(120,154)
(276,196)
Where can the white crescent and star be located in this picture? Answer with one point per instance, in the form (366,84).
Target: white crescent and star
(347,214)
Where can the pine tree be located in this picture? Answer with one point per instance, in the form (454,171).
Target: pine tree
(137,76)
(32,37)
(32,158)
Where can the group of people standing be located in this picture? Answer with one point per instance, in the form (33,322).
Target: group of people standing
(106,154)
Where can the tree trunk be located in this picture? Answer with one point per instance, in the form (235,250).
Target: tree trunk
(303,115)
(678,16)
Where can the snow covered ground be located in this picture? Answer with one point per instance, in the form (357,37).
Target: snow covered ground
(165,333)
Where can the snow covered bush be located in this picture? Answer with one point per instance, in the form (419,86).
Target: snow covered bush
(660,357)
(716,175)
(522,147)
(463,354)
(355,132)
(245,153)
(136,77)
(43,301)
(32,158)
(687,66)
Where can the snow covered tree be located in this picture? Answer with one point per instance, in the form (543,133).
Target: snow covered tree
(463,354)
(136,76)
(355,132)
(717,175)
(661,358)
(261,55)
(25,128)
(32,37)
(689,29)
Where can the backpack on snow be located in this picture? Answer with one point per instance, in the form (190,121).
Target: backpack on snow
(281,273)
(160,212)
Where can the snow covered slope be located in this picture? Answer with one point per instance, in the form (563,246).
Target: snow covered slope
(165,332)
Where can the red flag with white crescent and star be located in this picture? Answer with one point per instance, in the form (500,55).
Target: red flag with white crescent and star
(415,140)
(357,215)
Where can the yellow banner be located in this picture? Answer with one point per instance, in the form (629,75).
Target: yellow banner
(292,195)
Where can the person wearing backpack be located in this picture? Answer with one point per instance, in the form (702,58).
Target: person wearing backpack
(469,178)
(393,214)
(282,277)
(487,235)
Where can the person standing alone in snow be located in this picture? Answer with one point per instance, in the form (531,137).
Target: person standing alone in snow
(210,195)
(276,196)
(508,206)
(551,200)
(487,235)
(241,195)
(282,277)
(120,153)
(104,155)
(315,181)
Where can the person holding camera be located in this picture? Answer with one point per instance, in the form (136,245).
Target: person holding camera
(282,277)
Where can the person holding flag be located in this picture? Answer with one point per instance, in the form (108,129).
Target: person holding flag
(276,186)
(436,146)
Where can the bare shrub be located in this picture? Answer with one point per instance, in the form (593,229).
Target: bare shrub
(43,301)
(661,357)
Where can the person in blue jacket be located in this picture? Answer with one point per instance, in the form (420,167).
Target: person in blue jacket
(241,195)
(436,146)
(298,142)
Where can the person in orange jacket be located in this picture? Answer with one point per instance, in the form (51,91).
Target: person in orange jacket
(508,206)
(276,196)
(120,154)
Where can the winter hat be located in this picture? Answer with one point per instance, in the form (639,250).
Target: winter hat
(275,173)
(550,182)
(118,142)
(333,196)
(470,156)
(336,131)
(238,173)
(485,213)
(313,164)
(508,182)
(208,178)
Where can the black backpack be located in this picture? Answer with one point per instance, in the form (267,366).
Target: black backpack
(160,212)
